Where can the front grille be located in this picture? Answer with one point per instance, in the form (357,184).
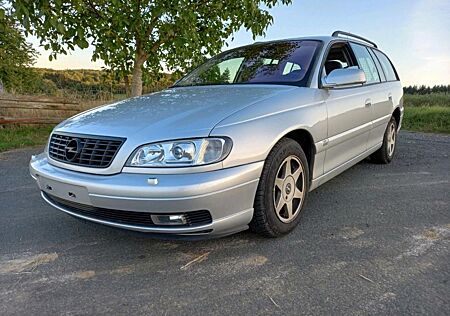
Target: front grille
(194,218)
(92,151)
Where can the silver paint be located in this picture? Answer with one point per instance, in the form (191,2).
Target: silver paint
(346,123)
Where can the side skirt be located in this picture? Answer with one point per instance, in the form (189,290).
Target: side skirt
(315,183)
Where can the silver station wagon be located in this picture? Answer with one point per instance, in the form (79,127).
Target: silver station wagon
(237,143)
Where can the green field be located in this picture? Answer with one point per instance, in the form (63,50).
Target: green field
(434,119)
(423,113)
(427,113)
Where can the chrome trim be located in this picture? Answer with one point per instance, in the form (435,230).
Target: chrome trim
(85,136)
(380,120)
(341,137)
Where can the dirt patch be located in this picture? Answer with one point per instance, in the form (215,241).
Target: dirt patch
(431,234)
(426,239)
(84,275)
(168,245)
(27,263)
(350,232)
(380,302)
(122,270)
(75,276)
(254,261)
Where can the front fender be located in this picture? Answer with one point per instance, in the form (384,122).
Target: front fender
(256,129)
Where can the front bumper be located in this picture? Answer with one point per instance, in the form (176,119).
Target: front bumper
(228,195)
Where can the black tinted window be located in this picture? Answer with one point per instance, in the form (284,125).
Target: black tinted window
(388,69)
(279,62)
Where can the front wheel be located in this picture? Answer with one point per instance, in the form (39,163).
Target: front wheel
(385,154)
(282,190)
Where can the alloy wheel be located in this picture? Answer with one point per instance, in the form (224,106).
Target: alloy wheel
(392,133)
(289,189)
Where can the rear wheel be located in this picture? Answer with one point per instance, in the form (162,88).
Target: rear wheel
(385,154)
(282,190)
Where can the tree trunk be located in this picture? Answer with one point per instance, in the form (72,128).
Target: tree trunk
(136,80)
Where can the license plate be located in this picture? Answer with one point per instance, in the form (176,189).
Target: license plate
(64,191)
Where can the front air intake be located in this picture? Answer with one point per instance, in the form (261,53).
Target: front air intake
(144,219)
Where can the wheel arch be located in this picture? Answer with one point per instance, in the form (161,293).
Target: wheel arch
(397,115)
(304,138)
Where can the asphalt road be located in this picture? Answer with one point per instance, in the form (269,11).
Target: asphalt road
(374,240)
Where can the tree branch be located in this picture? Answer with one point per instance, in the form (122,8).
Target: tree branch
(151,25)
(94,9)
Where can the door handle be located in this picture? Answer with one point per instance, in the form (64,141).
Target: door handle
(368,103)
(390,97)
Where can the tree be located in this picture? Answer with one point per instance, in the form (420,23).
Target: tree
(16,55)
(143,34)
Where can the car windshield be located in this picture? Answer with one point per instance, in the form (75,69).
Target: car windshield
(275,63)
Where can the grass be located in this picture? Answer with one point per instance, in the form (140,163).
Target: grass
(434,119)
(23,136)
(427,113)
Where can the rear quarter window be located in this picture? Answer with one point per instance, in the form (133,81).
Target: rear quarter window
(377,63)
(366,63)
(386,65)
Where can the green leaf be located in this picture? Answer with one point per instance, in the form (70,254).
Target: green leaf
(60,28)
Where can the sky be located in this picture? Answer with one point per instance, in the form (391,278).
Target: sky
(415,34)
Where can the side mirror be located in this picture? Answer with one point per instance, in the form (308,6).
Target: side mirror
(344,77)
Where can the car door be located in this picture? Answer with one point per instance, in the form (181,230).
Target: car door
(349,116)
(382,111)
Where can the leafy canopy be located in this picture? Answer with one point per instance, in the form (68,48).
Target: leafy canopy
(130,35)
(16,55)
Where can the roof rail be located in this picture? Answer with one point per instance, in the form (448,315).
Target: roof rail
(337,33)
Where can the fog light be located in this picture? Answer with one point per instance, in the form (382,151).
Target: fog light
(169,219)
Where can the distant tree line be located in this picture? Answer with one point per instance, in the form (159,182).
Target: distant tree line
(87,84)
(422,89)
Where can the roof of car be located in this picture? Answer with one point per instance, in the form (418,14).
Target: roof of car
(324,39)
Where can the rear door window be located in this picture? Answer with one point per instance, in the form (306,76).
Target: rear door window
(366,63)
(388,69)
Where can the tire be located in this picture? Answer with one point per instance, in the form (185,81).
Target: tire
(386,153)
(281,190)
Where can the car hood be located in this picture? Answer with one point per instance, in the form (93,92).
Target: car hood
(173,113)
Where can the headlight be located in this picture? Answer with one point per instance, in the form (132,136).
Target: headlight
(181,153)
